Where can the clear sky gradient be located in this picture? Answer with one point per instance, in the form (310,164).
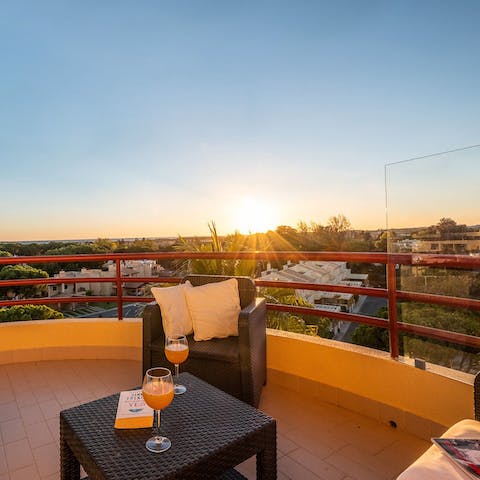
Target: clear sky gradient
(151,118)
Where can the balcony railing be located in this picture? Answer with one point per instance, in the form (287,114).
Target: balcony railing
(391,293)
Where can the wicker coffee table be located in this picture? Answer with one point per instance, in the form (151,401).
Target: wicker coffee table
(211,432)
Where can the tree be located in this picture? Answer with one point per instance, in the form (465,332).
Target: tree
(370,336)
(103,245)
(19,313)
(384,241)
(284,238)
(337,229)
(232,243)
(306,324)
(4,253)
(16,272)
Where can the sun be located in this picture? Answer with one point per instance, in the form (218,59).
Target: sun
(253,215)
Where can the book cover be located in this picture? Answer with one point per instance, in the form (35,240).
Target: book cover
(132,411)
(464,452)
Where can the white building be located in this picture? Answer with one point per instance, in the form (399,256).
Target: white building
(332,273)
(129,268)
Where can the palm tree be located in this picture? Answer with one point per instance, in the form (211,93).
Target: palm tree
(231,243)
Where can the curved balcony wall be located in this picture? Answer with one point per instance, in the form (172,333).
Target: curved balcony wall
(357,378)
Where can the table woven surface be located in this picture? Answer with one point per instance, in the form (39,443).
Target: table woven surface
(210,432)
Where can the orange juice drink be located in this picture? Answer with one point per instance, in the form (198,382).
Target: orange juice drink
(176,352)
(158,395)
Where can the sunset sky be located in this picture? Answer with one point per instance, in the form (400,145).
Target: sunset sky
(151,118)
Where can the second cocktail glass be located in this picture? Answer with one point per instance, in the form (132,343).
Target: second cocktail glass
(176,351)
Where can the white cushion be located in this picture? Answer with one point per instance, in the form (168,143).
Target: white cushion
(434,464)
(214,309)
(175,315)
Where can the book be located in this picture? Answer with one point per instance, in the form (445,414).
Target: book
(132,411)
(464,452)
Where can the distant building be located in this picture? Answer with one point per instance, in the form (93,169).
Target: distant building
(333,273)
(129,268)
(465,243)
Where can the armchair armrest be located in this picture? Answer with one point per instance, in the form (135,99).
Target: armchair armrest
(152,330)
(476,396)
(252,349)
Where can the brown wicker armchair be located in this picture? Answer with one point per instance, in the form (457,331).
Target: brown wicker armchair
(237,365)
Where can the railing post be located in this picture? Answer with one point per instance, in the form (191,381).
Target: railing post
(119,288)
(392,309)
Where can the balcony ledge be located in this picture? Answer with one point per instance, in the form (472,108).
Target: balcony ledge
(357,378)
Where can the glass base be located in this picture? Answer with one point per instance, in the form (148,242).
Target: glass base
(179,389)
(158,444)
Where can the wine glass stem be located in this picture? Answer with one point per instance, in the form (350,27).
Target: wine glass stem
(176,373)
(156,431)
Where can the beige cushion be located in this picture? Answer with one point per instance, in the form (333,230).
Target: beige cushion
(214,309)
(434,465)
(175,315)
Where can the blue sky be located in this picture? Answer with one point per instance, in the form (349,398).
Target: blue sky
(150,118)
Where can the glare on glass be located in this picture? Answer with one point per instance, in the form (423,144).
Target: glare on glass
(176,351)
(157,392)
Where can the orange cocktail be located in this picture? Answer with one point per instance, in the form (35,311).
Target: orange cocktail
(176,352)
(158,395)
(157,390)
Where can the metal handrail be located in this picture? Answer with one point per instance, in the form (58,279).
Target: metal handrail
(390,293)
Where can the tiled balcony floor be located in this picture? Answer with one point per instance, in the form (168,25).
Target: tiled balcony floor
(315,440)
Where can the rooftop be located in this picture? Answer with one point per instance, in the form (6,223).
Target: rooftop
(316,440)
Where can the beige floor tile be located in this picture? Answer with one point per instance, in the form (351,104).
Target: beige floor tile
(65,396)
(248,468)
(6,394)
(402,453)
(26,473)
(3,461)
(356,470)
(294,470)
(54,427)
(42,394)
(25,398)
(31,414)
(54,476)
(47,459)
(318,442)
(18,455)
(285,445)
(368,435)
(12,430)
(9,411)
(39,434)
(316,465)
(50,408)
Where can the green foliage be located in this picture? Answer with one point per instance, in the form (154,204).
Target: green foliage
(4,253)
(15,272)
(306,324)
(231,243)
(450,319)
(139,245)
(12,272)
(435,351)
(19,313)
(370,336)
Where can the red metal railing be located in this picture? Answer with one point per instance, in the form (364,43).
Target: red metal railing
(390,293)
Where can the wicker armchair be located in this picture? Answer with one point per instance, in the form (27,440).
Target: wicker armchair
(237,365)
(476,396)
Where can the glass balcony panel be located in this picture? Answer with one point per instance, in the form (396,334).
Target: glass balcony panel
(432,210)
